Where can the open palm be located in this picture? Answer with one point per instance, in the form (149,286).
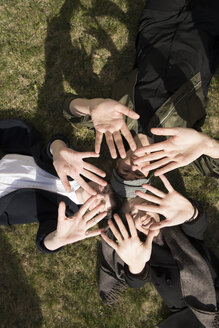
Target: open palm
(107,117)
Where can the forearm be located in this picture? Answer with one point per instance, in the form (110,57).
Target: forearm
(82,106)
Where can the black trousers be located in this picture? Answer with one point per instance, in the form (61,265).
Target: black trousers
(174,43)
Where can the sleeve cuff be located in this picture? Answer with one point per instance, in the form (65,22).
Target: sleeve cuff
(56,137)
(46,228)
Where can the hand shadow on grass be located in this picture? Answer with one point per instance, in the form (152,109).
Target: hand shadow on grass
(19,303)
(68,59)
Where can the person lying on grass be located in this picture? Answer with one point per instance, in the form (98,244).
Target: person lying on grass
(31,190)
(176,57)
(174,259)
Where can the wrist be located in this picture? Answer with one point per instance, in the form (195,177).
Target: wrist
(211,147)
(137,268)
(56,147)
(52,242)
(194,214)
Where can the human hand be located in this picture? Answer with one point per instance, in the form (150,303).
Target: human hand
(129,247)
(107,117)
(72,229)
(68,162)
(183,147)
(173,206)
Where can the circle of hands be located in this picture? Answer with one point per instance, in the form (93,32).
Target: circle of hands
(180,149)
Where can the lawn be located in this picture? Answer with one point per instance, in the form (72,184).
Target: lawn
(82,46)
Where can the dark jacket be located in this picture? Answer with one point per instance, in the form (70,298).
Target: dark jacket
(177,54)
(31,205)
(162,271)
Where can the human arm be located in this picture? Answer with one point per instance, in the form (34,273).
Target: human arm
(107,117)
(129,247)
(68,162)
(72,229)
(181,148)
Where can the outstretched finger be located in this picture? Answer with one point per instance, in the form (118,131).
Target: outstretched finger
(91,176)
(165,131)
(109,241)
(61,211)
(128,112)
(85,185)
(166,183)
(88,154)
(160,225)
(115,231)
(121,226)
(96,220)
(150,237)
(64,180)
(160,163)
(93,233)
(148,197)
(150,157)
(154,190)
(98,141)
(94,169)
(149,208)
(110,143)
(167,168)
(86,205)
(131,225)
(93,212)
(119,144)
(127,134)
(150,148)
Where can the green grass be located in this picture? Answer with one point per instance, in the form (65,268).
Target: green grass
(48,48)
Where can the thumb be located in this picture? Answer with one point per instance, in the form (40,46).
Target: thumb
(160,225)
(61,212)
(150,237)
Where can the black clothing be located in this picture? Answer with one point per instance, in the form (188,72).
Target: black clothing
(31,205)
(174,43)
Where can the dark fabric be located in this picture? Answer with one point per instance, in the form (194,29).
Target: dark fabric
(111,273)
(196,281)
(182,319)
(173,44)
(207,166)
(16,137)
(26,205)
(163,270)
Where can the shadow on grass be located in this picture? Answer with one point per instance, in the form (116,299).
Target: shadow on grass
(19,303)
(67,60)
